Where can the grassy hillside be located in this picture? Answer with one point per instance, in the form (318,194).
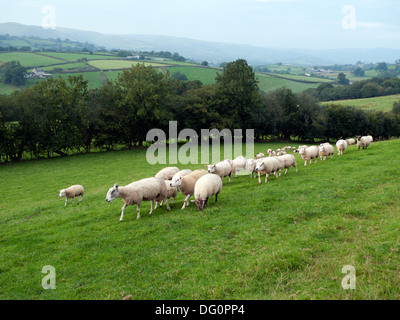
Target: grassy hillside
(287,239)
(377,103)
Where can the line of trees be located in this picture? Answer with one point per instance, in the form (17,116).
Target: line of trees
(60,117)
(374,87)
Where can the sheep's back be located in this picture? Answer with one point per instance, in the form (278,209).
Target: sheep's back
(207,186)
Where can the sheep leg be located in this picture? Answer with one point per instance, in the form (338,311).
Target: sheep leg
(186,201)
(168,207)
(122,212)
(216,197)
(286,170)
(305,163)
(259,177)
(266,177)
(138,211)
(157,205)
(173,200)
(66,201)
(152,206)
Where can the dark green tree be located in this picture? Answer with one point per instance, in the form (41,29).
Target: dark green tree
(238,94)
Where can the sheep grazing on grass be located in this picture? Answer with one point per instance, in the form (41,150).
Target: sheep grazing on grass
(363,142)
(150,189)
(171,193)
(370,138)
(267,166)
(271,152)
(341,146)
(186,184)
(259,156)
(72,192)
(207,186)
(309,153)
(222,168)
(326,149)
(238,164)
(167,173)
(285,162)
(351,141)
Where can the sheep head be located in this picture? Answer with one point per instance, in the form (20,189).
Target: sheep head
(112,193)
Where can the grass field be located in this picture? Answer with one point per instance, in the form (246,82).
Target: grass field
(119,64)
(205,75)
(287,239)
(384,103)
(28,59)
(76,56)
(268,83)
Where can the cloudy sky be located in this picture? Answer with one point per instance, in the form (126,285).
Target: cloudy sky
(308,24)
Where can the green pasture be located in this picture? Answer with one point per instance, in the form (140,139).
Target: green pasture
(384,103)
(288,238)
(119,64)
(28,59)
(205,75)
(268,83)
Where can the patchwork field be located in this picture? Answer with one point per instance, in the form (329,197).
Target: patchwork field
(287,239)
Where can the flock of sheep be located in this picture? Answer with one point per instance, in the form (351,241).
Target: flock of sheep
(205,183)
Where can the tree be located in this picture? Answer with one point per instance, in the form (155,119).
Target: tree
(237,94)
(382,67)
(342,79)
(358,72)
(204,63)
(179,76)
(143,102)
(13,73)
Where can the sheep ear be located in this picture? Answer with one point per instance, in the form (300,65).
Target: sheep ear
(116,185)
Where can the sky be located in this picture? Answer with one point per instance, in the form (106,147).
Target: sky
(305,24)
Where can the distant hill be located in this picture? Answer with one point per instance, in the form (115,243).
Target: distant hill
(213,52)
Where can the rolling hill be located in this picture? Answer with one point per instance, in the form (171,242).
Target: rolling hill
(213,52)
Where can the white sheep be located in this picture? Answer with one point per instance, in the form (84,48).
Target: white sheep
(222,168)
(298,149)
(325,149)
(351,141)
(271,152)
(167,173)
(171,193)
(72,192)
(363,142)
(149,189)
(238,164)
(309,153)
(251,166)
(285,162)
(370,138)
(267,166)
(181,173)
(186,184)
(341,146)
(207,186)
(259,156)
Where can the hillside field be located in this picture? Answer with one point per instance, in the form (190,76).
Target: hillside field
(286,239)
(384,103)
